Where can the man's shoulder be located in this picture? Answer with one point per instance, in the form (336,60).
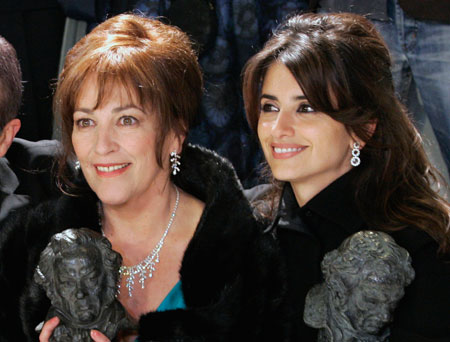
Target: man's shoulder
(32,166)
(33,149)
(30,155)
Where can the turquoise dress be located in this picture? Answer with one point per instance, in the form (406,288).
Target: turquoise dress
(174,300)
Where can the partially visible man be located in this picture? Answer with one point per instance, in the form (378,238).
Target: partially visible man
(25,167)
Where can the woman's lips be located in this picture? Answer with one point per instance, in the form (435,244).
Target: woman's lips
(111,170)
(280,151)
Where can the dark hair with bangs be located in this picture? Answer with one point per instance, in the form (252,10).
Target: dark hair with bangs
(10,83)
(153,61)
(319,51)
(342,65)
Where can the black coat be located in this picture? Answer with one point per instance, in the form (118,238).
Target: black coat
(229,271)
(26,174)
(305,234)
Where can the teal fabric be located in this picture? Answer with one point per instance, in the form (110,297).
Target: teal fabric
(174,300)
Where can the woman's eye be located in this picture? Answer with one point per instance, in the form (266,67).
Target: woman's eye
(82,123)
(267,107)
(305,108)
(127,121)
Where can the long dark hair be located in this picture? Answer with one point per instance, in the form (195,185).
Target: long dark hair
(341,59)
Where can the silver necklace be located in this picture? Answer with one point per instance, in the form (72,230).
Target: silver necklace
(147,266)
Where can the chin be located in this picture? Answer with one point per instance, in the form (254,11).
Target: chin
(113,198)
(286,176)
(111,202)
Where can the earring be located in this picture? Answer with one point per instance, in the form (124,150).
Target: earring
(355,161)
(175,162)
(77,165)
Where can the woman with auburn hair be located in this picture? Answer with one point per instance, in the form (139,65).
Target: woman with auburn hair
(345,157)
(127,96)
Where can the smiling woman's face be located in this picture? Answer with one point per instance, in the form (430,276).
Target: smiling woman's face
(115,144)
(301,145)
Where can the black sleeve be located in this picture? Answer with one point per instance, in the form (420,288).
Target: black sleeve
(423,313)
(22,238)
(14,258)
(270,289)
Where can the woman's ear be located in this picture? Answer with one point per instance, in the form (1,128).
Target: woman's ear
(370,130)
(371,127)
(355,139)
(7,135)
(177,143)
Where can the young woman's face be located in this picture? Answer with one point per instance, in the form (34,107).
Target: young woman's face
(301,145)
(115,144)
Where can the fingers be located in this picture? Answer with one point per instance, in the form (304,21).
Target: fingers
(52,323)
(48,328)
(97,336)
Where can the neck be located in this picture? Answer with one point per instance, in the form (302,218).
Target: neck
(142,218)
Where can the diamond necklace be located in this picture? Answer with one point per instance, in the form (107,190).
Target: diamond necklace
(147,266)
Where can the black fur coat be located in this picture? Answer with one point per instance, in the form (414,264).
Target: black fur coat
(230,272)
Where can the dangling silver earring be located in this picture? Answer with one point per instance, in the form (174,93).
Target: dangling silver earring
(355,161)
(77,165)
(175,162)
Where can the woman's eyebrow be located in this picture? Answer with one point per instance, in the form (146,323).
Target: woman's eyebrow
(84,110)
(115,110)
(271,97)
(128,106)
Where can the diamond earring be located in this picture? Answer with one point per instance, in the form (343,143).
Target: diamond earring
(175,162)
(355,161)
(77,165)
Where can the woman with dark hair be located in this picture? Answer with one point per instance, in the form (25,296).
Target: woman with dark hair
(345,157)
(127,96)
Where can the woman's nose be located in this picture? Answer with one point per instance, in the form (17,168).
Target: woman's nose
(284,125)
(106,140)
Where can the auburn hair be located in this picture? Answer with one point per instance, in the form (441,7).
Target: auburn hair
(155,62)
